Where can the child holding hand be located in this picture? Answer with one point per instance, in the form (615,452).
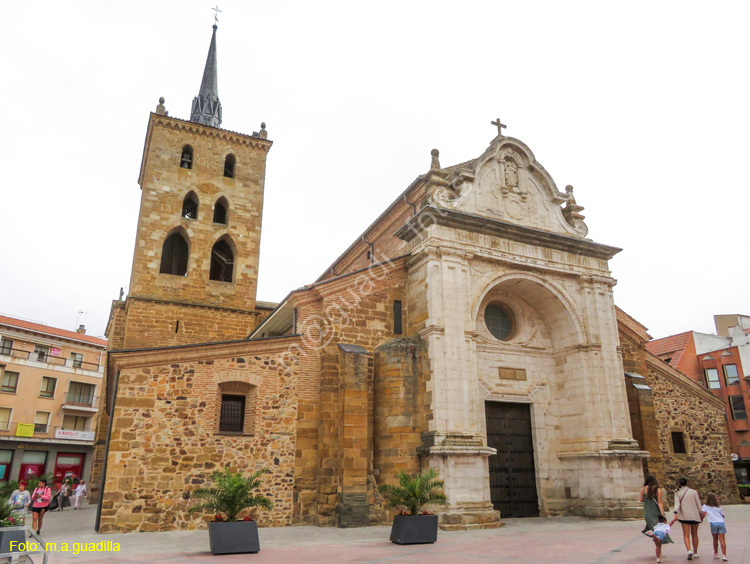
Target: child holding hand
(661,530)
(713,510)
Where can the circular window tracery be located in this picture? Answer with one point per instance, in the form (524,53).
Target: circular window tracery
(499,321)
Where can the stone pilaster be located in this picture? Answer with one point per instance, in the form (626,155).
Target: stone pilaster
(454,445)
(355,440)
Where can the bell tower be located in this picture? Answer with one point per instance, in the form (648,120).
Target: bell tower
(195,264)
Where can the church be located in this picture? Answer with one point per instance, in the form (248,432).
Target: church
(471,328)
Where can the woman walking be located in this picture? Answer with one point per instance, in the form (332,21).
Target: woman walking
(80,494)
(687,510)
(653,505)
(39,503)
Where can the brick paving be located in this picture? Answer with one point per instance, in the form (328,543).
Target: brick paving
(569,540)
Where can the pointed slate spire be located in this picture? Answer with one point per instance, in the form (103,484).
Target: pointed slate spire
(206,106)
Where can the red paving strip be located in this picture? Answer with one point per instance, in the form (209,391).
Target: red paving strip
(527,548)
(519,542)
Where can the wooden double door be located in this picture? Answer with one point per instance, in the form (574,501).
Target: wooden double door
(512,470)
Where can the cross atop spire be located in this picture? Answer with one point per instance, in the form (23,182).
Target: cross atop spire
(499,125)
(216,15)
(206,106)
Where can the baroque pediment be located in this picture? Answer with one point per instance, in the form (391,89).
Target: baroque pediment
(507,183)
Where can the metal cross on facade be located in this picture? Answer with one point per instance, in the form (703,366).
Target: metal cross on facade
(499,125)
(216,14)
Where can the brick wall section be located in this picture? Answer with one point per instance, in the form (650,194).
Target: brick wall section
(164,443)
(682,405)
(154,324)
(356,309)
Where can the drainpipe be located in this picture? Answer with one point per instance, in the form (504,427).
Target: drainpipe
(372,249)
(413,206)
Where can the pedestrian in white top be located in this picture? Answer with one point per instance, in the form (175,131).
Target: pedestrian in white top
(80,494)
(715,515)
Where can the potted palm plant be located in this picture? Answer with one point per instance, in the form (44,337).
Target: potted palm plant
(230,495)
(412,493)
(11,528)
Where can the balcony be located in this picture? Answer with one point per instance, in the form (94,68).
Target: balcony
(20,431)
(76,401)
(49,359)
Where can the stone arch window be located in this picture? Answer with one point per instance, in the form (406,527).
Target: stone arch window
(186,159)
(221,208)
(499,320)
(222,261)
(190,206)
(229,163)
(235,408)
(175,253)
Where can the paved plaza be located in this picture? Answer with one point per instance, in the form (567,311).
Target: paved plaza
(568,540)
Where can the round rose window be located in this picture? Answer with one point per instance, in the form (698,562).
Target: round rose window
(499,321)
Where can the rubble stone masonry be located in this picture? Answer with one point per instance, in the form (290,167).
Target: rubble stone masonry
(165,440)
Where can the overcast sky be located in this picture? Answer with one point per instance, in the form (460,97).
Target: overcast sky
(641,106)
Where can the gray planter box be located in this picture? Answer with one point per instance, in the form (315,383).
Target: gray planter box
(414,529)
(8,534)
(233,538)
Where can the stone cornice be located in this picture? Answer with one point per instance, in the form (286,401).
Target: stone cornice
(192,127)
(208,131)
(606,453)
(454,219)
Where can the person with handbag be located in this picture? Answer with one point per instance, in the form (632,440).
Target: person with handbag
(653,507)
(687,510)
(40,502)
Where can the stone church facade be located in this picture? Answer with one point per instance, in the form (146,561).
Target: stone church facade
(470,329)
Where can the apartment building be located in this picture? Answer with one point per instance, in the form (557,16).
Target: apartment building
(720,363)
(51,381)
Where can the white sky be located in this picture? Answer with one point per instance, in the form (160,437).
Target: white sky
(641,106)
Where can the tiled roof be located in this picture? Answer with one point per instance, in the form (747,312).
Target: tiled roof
(673,345)
(459,166)
(54,331)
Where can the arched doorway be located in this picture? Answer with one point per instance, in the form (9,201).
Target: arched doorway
(525,327)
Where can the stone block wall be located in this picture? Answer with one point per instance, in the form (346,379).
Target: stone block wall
(164,186)
(399,410)
(164,441)
(662,400)
(681,405)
